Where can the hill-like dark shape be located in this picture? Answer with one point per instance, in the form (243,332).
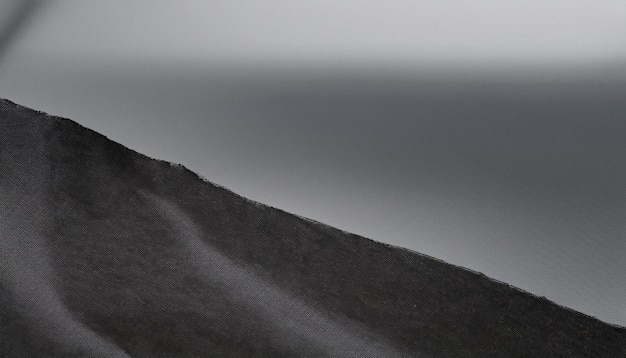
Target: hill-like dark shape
(106,252)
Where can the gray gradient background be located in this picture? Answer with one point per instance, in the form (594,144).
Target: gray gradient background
(487,133)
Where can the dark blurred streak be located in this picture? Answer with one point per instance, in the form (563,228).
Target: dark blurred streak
(18,21)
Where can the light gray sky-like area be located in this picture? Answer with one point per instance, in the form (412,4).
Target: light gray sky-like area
(397,31)
(486,133)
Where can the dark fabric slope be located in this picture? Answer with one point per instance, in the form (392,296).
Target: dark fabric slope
(122,273)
